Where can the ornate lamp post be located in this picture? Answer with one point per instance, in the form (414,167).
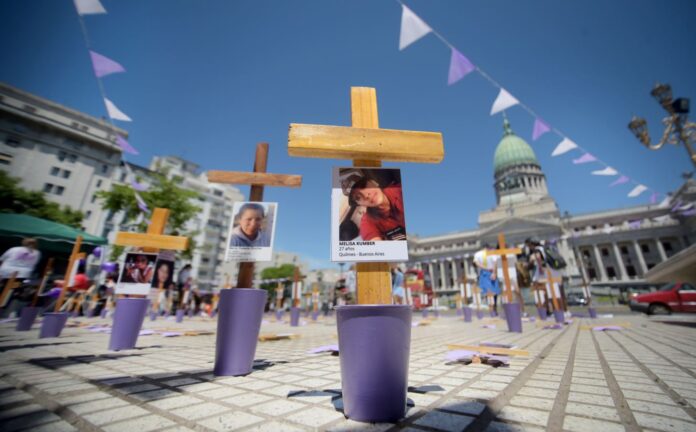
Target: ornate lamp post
(678,128)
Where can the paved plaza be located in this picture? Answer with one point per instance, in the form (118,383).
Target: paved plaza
(642,377)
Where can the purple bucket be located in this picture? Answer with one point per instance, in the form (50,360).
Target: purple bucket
(513,316)
(180,315)
(315,315)
(558,315)
(459,312)
(103,313)
(239,324)
(279,315)
(190,313)
(375,341)
(128,320)
(306,314)
(542,313)
(493,313)
(436,313)
(74,314)
(479,314)
(425,313)
(153,315)
(53,324)
(27,317)
(294,317)
(90,313)
(592,311)
(468,313)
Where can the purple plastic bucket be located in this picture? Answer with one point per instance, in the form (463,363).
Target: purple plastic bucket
(238,327)
(294,317)
(190,313)
(103,313)
(128,320)
(306,314)
(90,313)
(558,315)
(542,313)
(279,315)
(53,324)
(315,315)
(27,317)
(375,342)
(468,314)
(425,313)
(153,315)
(459,312)
(479,314)
(592,311)
(180,315)
(493,313)
(513,316)
(436,313)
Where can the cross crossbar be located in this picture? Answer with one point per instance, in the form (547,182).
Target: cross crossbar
(255,178)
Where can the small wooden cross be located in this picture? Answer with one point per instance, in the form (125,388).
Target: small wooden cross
(11,284)
(550,280)
(296,295)
(257,179)
(74,257)
(367,146)
(315,298)
(503,253)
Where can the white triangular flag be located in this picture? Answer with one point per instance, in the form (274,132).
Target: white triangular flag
(608,171)
(89,7)
(637,191)
(114,112)
(412,28)
(664,203)
(504,101)
(563,147)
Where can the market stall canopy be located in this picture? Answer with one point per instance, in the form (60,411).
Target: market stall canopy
(51,235)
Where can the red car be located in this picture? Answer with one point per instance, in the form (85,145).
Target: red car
(673,297)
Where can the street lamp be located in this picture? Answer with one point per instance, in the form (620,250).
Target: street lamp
(678,128)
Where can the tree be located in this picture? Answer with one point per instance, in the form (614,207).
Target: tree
(164,193)
(285,271)
(16,199)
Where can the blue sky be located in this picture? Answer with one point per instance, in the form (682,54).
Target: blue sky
(208,79)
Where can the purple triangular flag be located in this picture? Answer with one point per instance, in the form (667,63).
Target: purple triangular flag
(540,128)
(584,159)
(138,186)
(141,204)
(621,180)
(676,206)
(125,146)
(460,66)
(104,66)
(653,197)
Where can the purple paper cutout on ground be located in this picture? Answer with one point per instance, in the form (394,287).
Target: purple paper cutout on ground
(489,326)
(621,180)
(691,212)
(125,146)
(496,345)
(540,128)
(460,66)
(325,348)
(553,327)
(7,320)
(146,332)
(415,323)
(170,334)
(458,355)
(103,65)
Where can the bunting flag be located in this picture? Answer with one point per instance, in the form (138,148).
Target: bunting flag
(676,206)
(653,197)
(540,128)
(89,7)
(412,28)
(504,101)
(664,203)
(125,146)
(138,186)
(584,159)
(104,66)
(114,112)
(564,147)
(621,180)
(637,191)
(691,212)
(608,171)
(141,203)
(634,224)
(460,66)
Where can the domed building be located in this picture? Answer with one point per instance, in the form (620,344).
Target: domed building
(614,247)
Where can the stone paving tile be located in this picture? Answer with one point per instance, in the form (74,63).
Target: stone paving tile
(524,415)
(579,424)
(663,423)
(445,421)
(230,421)
(140,424)
(314,417)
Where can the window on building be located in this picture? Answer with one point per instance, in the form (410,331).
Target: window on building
(650,265)
(667,245)
(99,183)
(123,177)
(645,248)
(72,158)
(94,198)
(59,190)
(591,273)
(5,159)
(48,188)
(12,142)
(217,193)
(55,171)
(631,271)
(66,174)
(29,108)
(611,272)
(605,252)
(62,155)
(586,254)
(624,250)
(105,169)
(88,214)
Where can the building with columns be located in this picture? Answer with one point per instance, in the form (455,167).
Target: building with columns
(617,245)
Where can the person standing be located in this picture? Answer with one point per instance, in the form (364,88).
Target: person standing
(183,280)
(20,260)
(398,290)
(487,275)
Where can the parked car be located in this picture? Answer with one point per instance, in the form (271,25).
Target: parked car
(576,299)
(672,297)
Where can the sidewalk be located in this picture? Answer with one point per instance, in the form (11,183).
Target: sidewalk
(575,379)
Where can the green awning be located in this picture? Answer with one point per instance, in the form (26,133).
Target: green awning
(21,225)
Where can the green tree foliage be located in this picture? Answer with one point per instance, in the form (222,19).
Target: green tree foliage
(285,271)
(15,199)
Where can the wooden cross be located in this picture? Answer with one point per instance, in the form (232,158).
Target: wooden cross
(11,284)
(279,295)
(315,298)
(503,253)
(296,297)
(550,280)
(74,257)
(476,291)
(257,179)
(44,279)
(367,146)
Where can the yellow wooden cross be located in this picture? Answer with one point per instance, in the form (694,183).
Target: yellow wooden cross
(550,280)
(315,298)
(296,297)
(257,179)
(503,252)
(74,257)
(367,146)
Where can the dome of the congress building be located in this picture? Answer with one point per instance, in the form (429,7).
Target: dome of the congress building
(512,150)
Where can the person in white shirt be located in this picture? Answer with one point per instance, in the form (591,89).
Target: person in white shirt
(20,260)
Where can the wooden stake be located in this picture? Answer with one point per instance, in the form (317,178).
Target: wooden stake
(66,280)
(44,279)
(550,281)
(503,253)
(10,286)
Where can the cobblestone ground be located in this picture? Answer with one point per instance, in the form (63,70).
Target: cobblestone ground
(575,379)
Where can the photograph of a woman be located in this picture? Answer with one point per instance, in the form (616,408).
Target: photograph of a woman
(251,231)
(137,274)
(164,273)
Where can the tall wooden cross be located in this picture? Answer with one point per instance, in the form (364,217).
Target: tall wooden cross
(257,179)
(280,290)
(74,257)
(503,252)
(44,279)
(550,280)
(296,294)
(367,146)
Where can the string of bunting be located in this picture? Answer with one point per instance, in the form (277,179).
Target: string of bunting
(414,28)
(104,66)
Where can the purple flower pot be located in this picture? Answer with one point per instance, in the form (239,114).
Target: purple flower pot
(493,313)
(27,317)
(153,315)
(542,313)
(375,341)
(53,324)
(513,316)
(425,313)
(180,315)
(479,314)
(294,317)
(592,311)
(128,320)
(558,315)
(315,315)
(279,315)
(239,324)
(468,313)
